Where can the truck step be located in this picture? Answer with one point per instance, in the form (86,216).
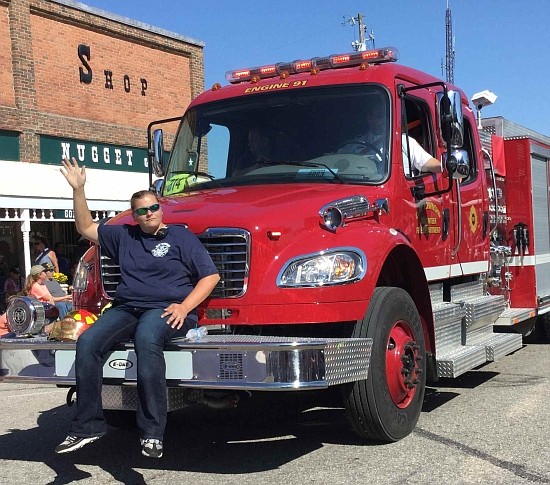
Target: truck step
(461,360)
(467,291)
(436,292)
(484,347)
(501,344)
(448,325)
(511,316)
(483,311)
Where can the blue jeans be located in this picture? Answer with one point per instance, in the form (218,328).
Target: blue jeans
(150,333)
(64,307)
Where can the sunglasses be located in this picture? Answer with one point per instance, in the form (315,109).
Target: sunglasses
(143,210)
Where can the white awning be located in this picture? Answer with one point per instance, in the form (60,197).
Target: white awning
(33,185)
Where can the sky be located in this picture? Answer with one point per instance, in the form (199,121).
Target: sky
(500,45)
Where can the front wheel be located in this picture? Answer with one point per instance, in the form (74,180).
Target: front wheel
(386,406)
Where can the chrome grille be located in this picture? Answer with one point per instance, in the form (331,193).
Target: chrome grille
(110,274)
(230,251)
(228,248)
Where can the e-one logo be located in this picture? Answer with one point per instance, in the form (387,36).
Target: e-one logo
(120,364)
(86,72)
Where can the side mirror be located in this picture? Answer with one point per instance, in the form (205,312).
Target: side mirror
(451,123)
(157,186)
(158,153)
(458,164)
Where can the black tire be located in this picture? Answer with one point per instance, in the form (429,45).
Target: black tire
(386,406)
(543,324)
(119,418)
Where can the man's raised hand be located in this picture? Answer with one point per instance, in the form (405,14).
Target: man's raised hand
(75,175)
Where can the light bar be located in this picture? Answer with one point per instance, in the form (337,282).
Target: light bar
(375,56)
(387,54)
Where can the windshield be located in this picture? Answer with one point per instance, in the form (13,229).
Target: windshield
(322,135)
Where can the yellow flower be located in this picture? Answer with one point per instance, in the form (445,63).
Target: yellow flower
(60,277)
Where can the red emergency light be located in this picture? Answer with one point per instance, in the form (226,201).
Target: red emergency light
(375,56)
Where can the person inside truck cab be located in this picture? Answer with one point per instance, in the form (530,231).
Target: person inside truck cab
(257,151)
(165,274)
(421,160)
(259,143)
(373,141)
(414,137)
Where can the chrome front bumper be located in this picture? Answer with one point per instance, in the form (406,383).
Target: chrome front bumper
(239,362)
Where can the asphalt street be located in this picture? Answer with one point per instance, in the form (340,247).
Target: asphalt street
(488,426)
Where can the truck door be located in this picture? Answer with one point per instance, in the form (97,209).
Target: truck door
(430,226)
(470,252)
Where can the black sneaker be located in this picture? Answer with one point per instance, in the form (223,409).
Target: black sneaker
(72,443)
(151,448)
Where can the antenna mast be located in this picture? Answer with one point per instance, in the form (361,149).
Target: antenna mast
(361,44)
(449,45)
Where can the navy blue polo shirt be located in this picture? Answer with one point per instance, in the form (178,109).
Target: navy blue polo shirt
(155,272)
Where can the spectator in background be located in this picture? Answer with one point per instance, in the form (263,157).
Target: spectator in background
(35,286)
(15,283)
(9,258)
(3,267)
(6,258)
(63,261)
(4,329)
(62,301)
(45,254)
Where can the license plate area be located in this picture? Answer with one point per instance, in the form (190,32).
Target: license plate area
(122,364)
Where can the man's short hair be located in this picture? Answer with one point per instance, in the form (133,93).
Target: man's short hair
(140,195)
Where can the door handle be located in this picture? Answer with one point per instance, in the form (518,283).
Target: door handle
(445,225)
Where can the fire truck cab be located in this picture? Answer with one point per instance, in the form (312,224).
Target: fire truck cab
(341,262)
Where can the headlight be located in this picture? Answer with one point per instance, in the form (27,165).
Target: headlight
(334,267)
(80,280)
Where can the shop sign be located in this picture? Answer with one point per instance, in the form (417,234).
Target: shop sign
(93,155)
(63,214)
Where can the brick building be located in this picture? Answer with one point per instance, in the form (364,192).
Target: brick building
(79,81)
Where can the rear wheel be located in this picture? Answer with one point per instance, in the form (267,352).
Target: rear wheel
(543,327)
(545,322)
(386,406)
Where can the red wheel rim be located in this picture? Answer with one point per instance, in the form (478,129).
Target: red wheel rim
(402,364)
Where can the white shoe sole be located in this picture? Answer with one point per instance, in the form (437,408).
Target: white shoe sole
(82,443)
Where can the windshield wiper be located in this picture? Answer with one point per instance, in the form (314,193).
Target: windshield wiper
(306,164)
(190,172)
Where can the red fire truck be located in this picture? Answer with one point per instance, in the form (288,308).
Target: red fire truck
(341,264)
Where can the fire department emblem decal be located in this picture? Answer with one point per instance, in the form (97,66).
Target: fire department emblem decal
(160,250)
(473,219)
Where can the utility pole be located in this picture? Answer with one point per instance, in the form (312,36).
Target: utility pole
(361,44)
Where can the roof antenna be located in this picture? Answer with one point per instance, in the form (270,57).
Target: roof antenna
(362,43)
